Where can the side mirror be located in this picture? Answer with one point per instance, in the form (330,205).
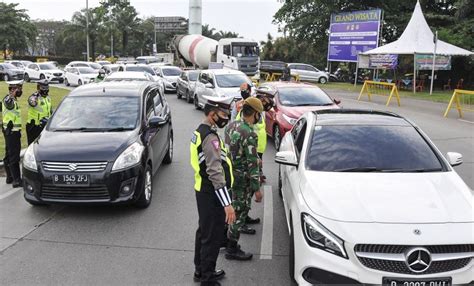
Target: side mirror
(156,121)
(209,85)
(454,159)
(286,158)
(337,101)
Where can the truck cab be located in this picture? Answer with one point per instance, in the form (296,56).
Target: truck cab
(239,54)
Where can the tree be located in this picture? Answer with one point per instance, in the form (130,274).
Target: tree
(16,30)
(125,17)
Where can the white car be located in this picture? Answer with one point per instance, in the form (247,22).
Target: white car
(369,199)
(74,64)
(308,73)
(170,75)
(47,71)
(129,76)
(220,83)
(79,75)
(143,68)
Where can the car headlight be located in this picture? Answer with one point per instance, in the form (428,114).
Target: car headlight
(318,236)
(29,160)
(130,157)
(290,120)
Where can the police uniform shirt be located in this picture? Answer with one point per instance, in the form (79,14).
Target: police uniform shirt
(212,154)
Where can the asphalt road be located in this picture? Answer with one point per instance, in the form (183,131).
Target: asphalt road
(126,246)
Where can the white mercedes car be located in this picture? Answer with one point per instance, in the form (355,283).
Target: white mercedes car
(369,199)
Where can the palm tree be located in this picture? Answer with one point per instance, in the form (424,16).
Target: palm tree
(16,30)
(126,19)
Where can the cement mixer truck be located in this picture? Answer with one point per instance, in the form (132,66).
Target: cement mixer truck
(229,53)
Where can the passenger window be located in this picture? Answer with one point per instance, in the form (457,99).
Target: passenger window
(298,133)
(156,98)
(227,50)
(149,106)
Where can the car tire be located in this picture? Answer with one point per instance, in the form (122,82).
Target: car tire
(276,137)
(169,153)
(66,82)
(147,189)
(79,82)
(291,254)
(323,80)
(280,183)
(178,94)
(42,76)
(188,97)
(26,77)
(196,103)
(61,80)
(6,77)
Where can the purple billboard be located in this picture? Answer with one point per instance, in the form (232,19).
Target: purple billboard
(352,33)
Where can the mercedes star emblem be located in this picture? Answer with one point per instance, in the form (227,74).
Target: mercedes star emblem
(418,259)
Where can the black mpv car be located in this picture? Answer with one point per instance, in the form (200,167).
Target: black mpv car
(103,144)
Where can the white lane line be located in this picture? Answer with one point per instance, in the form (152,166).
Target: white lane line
(467,121)
(9,193)
(266,248)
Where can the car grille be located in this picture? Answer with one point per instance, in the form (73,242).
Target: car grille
(82,167)
(174,84)
(75,193)
(391,258)
(57,74)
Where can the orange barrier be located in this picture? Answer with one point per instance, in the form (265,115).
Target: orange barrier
(461,101)
(380,88)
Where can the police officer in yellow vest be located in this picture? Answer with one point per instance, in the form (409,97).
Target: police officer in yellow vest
(39,111)
(213,181)
(11,127)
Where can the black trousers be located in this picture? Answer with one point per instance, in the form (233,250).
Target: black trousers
(12,154)
(209,234)
(32,132)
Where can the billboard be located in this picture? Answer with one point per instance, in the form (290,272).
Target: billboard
(425,62)
(383,61)
(352,33)
(171,25)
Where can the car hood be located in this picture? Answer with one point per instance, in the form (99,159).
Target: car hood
(171,78)
(389,197)
(16,71)
(52,71)
(82,146)
(297,111)
(229,91)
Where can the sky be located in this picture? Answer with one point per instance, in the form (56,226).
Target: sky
(250,18)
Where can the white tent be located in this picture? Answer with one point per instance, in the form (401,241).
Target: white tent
(418,39)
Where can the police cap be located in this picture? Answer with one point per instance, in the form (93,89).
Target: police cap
(265,93)
(221,103)
(43,84)
(255,103)
(15,83)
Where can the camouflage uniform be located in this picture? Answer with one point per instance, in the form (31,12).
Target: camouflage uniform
(241,140)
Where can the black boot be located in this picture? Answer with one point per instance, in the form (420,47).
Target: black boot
(247,229)
(17,183)
(235,253)
(8,174)
(250,220)
(9,180)
(218,274)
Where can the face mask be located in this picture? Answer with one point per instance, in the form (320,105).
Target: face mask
(44,92)
(221,122)
(245,94)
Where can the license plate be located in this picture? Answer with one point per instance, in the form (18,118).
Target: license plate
(82,180)
(416,282)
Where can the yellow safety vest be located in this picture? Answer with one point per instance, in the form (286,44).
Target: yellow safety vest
(198,161)
(260,129)
(40,111)
(13,115)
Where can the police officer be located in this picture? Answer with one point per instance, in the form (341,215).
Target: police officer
(245,92)
(39,110)
(242,141)
(267,99)
(101,76)
(11,127)
(213,181)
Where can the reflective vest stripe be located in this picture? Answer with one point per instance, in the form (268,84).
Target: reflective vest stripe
(40,111)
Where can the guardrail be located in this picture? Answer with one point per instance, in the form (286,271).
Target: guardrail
(380,88)
(460,100)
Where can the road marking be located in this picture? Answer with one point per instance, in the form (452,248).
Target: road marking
(9,193)
(266,248)
(467,121)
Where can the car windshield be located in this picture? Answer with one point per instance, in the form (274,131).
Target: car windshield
(231,80)
(355,148)
(303,96)
(47,67)
(141,69)
(9,66)
(96,113)
(171,72)
(245,51)
(86,70)
(95,66)
(193,76)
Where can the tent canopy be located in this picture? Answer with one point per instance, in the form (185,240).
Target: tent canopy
(418,38)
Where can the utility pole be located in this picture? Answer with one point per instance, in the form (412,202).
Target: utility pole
(87,28)
(434,62)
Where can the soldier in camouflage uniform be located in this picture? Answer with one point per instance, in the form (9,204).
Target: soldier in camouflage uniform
(242,144)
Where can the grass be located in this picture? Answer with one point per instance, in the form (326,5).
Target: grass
(437,96)
(56,94)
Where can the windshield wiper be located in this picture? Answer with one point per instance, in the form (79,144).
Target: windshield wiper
(420,170)
(359,169)
(116,129)
(70,129)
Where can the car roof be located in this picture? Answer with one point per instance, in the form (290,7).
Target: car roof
(128,75)
(359,117)
(131,88)
(223,71)
(288,84)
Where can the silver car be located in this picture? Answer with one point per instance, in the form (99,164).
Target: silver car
(308,73)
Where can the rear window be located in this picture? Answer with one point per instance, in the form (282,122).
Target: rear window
(370,148)
(303,96)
